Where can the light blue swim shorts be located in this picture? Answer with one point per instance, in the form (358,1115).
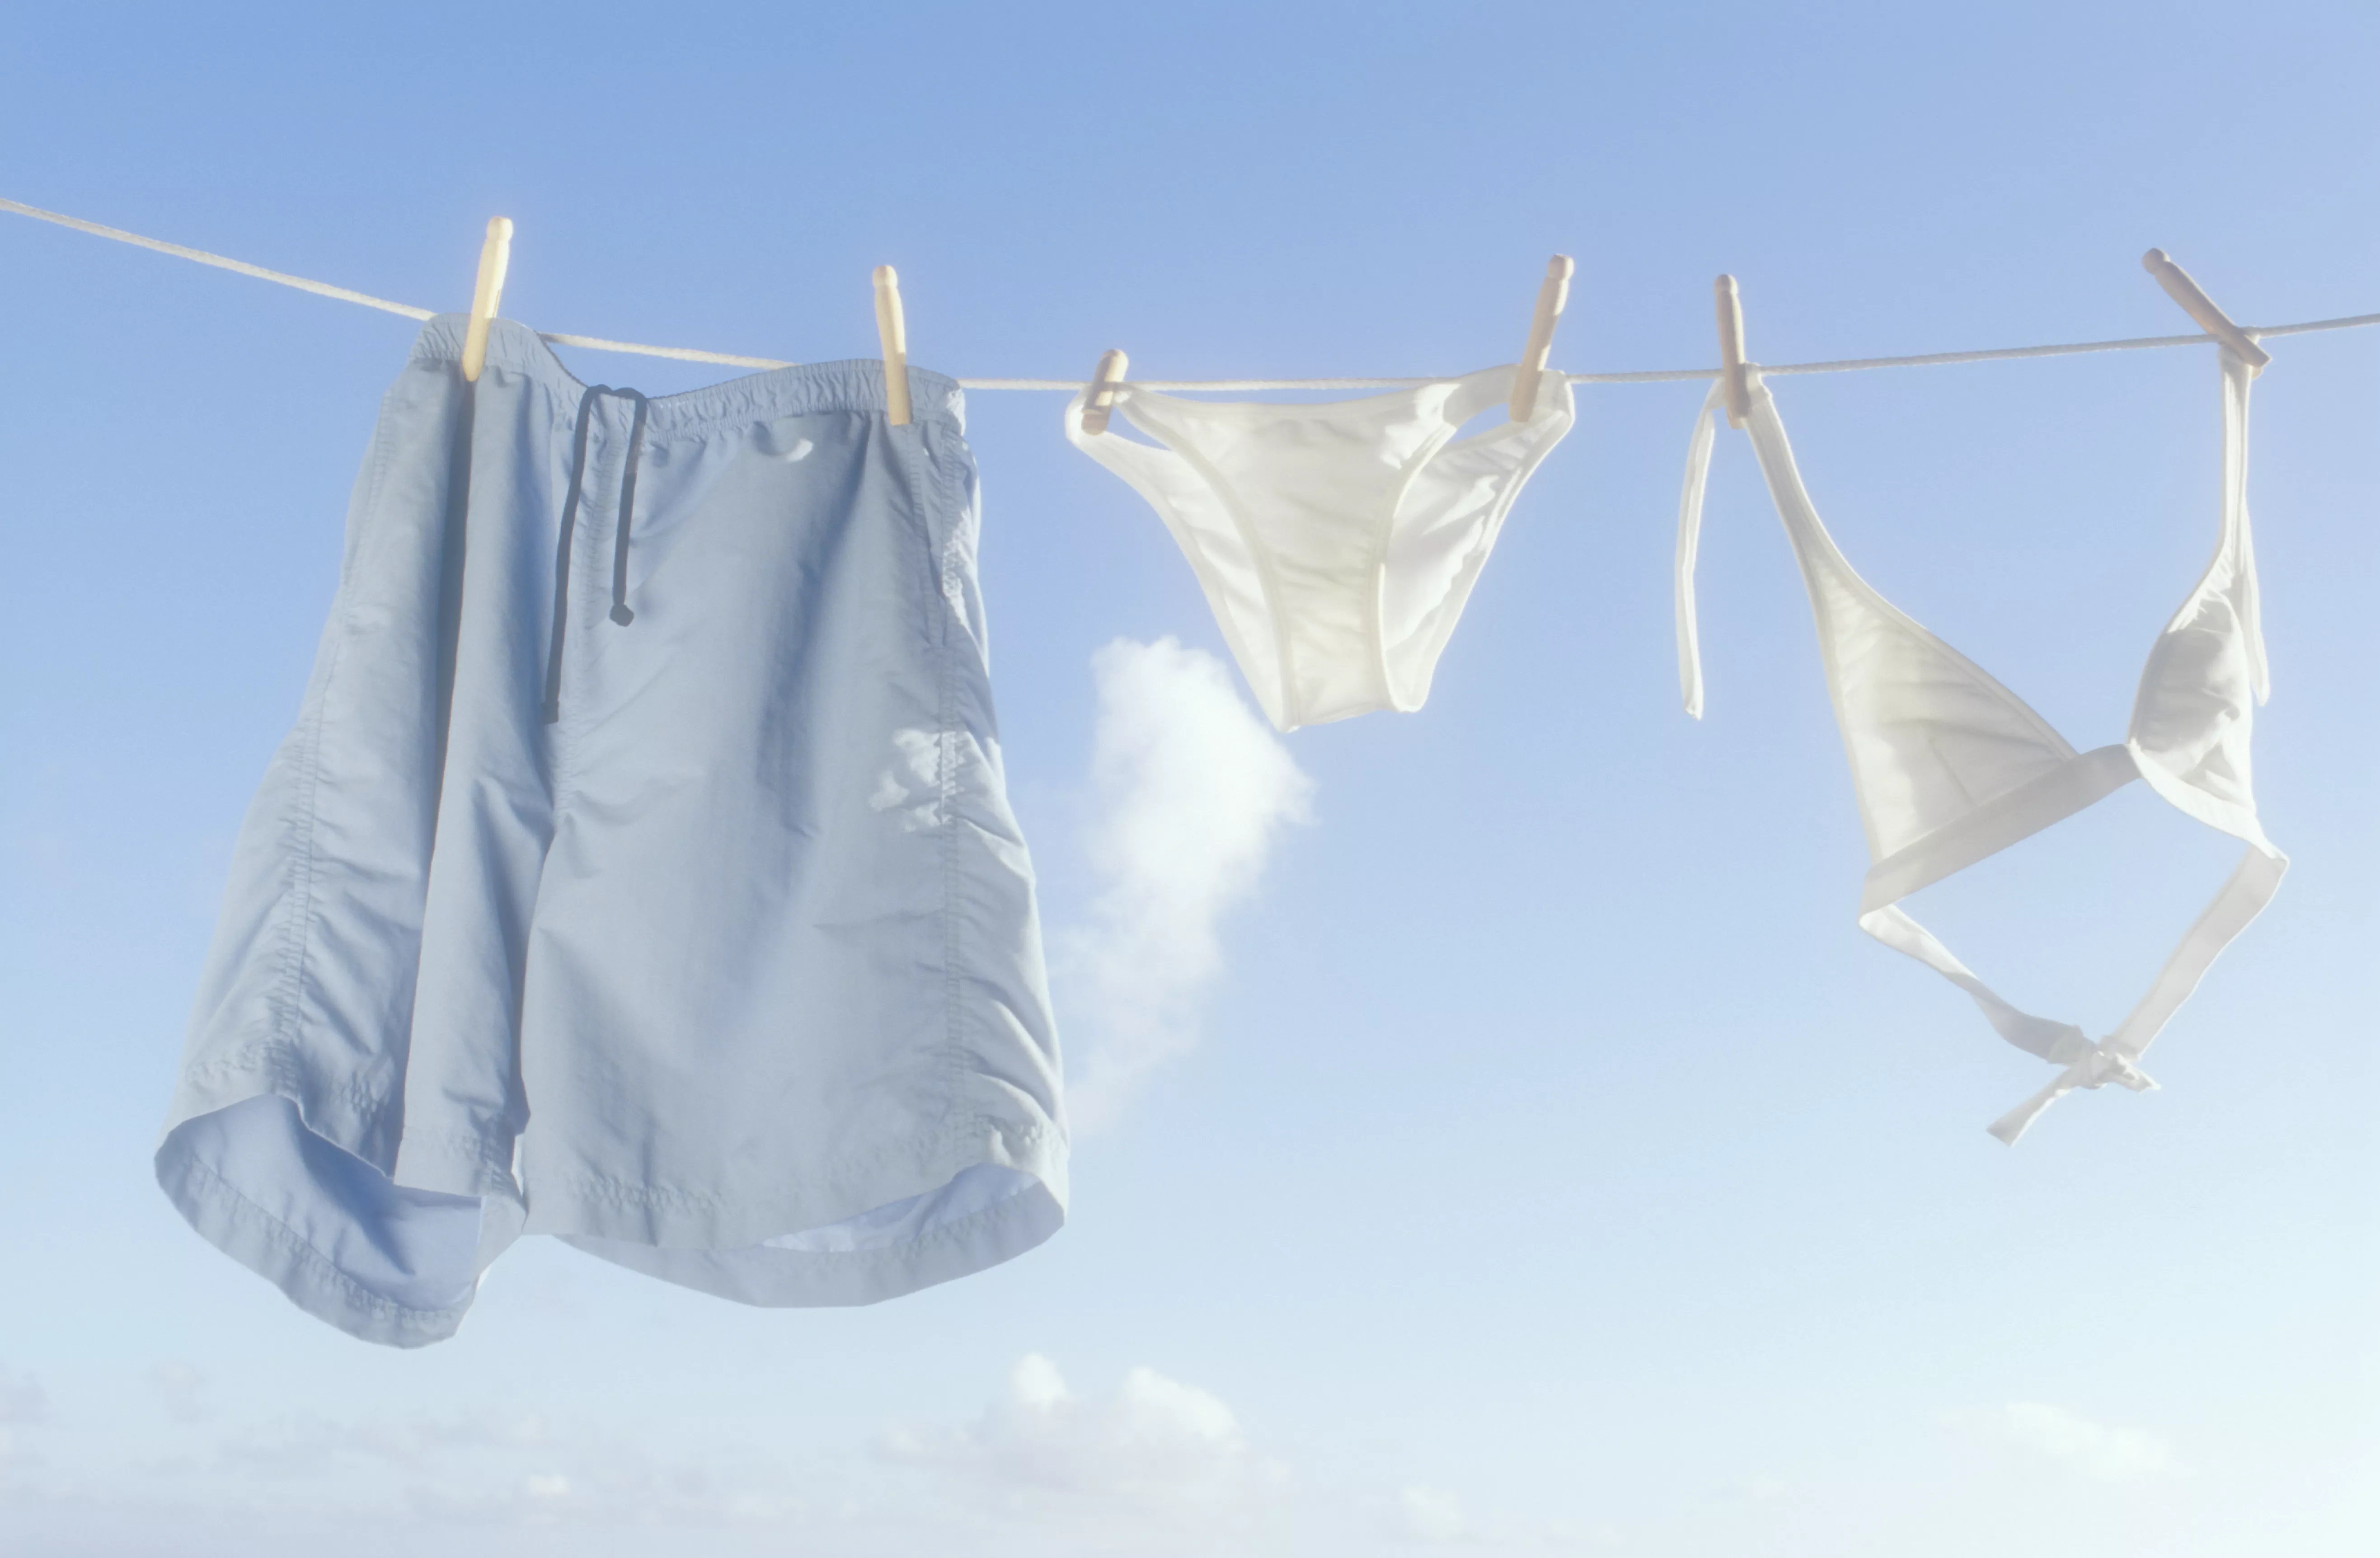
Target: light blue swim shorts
(640,869)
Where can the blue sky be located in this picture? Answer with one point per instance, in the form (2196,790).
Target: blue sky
(1542,1160)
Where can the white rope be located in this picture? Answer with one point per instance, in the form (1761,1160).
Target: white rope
(1069,387)
(2001,354)
(321,288)
(683,354)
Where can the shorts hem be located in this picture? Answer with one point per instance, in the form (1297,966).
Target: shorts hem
(826,1279)
(279,1254)
(662,1217)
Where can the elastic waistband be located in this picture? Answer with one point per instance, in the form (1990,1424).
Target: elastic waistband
(854,386)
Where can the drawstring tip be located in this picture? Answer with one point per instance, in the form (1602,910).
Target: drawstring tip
(622,615)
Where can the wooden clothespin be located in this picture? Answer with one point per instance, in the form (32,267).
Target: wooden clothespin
(495,257)
(893,331)
(1552,293)
(1730,351)
(1104,380)
(2200,307)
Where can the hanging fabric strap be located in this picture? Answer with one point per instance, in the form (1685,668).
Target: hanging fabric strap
(2201,767)
(2114,1058)
(620,612)
(2201,771)
(1690,536)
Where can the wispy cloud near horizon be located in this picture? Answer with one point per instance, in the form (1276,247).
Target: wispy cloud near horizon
(1190,790)
(2097,1450)
(1152,1442)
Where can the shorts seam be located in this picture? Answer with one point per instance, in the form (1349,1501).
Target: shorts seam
(908,1251)
(940,1140)
(299,933)
(947,781)
(852,386)
(315,1262)
(475,1148)
(278,1069)
(946,716)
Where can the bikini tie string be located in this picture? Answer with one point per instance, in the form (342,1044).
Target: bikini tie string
(2095,1068)
(2104,1065)
(620,612)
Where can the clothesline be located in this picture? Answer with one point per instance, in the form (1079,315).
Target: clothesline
(1068,386)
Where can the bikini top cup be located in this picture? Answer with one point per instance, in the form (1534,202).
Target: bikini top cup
(1951,766)
(1336,543)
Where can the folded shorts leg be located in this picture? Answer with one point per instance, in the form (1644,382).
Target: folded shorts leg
(282,1142)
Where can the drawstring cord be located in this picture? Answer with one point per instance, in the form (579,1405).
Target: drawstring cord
(620,612)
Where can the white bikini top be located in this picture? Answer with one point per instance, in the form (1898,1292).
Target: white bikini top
(1951,766)
(1337,542)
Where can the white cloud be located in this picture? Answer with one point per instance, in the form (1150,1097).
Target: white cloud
(1423,1514)
(305,1446)
(1191,790)
(1431,1513)
(1146,1465)
(1150,1441)
(2095,1449)
(493,1467)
